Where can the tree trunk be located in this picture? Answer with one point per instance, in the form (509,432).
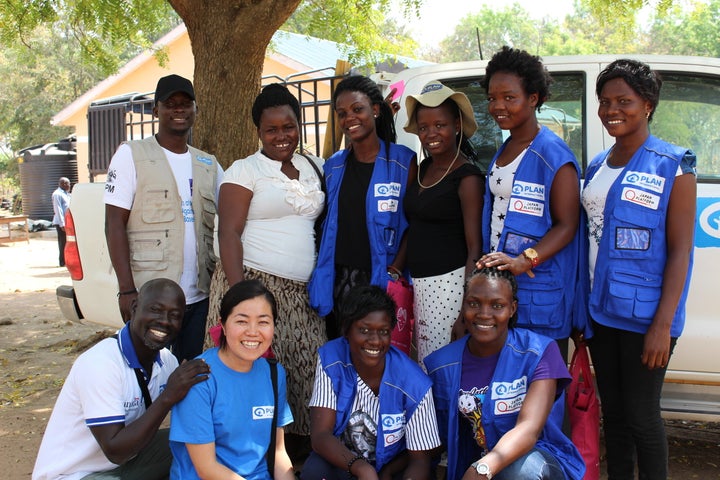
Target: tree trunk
(229,39)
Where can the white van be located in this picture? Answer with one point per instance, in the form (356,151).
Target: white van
(688,115)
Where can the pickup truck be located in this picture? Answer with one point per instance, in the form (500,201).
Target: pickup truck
(688,115)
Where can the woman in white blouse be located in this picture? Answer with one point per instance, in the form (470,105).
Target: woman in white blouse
(267,209)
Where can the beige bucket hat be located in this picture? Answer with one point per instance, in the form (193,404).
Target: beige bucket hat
(432,95)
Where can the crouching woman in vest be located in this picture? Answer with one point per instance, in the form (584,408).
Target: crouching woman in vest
(371,413)
(498,392)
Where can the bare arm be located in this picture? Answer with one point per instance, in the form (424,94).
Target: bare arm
(116,220)
(471,191)
(233,207)
(398,262)
(204,460)
(331,448)
(283,465)
(120,442)
(680,226)
(565,213)
(471,202)
(522,438)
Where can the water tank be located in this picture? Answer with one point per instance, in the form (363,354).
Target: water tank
(41,166)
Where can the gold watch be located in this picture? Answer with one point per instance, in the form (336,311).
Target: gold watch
(532,256)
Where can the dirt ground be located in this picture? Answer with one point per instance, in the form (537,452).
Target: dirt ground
(38,346)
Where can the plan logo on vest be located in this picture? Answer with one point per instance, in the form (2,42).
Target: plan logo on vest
(393,427)
(509,389)
(644,180)
(387,189)
(387,205)
(204,160)
(527,207)
(263,413)
(640,197)
(535,191)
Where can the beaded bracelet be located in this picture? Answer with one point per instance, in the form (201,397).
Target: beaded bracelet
(129,292)
(353,460)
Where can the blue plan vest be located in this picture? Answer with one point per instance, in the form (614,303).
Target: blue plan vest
(402,388)
(385,220)
(544,302)
(629,271)
(518,359)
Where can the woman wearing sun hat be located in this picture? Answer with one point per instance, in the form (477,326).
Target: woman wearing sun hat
(444,211)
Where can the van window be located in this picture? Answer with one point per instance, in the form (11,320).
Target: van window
(563,113)
(689,115)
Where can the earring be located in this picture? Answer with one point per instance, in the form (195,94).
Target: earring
(647,115)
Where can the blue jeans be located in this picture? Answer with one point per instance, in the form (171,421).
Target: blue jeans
(189,343)
(630,402)
(537,464)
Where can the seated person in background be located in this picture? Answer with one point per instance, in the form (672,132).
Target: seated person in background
(371,412)
(106,420)
(498,392)
(223,427)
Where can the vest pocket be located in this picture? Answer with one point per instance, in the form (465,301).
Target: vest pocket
(541,307)
(633,292)
(157,206)
(148,250)
(208,210)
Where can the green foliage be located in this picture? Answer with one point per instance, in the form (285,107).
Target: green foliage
(594,27)
(52,76)
(103,30)
(361,26)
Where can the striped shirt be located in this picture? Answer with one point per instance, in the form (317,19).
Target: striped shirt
(421,431)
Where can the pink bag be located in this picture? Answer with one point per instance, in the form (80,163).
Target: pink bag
(402,292)
(584,412)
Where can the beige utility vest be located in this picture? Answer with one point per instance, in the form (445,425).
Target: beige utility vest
(156,228)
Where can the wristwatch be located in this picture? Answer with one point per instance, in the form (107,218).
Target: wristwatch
(531,255)
(482,469)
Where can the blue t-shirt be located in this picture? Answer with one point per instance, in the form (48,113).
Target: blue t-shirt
(235,411)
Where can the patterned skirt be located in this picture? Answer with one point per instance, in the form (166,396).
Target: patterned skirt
(299,332)
(436,302)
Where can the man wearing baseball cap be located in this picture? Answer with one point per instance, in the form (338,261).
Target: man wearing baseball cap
(160,199)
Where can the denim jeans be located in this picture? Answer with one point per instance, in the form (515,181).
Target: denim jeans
(189,343)
(630,402)
(537,464)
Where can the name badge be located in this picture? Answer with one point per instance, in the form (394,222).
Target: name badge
(640,197)
(527,207)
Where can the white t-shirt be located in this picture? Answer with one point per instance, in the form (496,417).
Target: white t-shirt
(279,235)
(366,412)
(501,181)
(122,171)
(101,389)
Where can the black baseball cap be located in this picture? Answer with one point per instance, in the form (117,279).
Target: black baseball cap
(166,86)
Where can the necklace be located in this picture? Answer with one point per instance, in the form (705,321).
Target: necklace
(443,175)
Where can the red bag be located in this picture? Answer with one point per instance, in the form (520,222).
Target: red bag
(402,292)
(584,412)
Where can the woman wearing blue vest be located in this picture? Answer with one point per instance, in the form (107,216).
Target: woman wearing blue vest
(366,183)
(372,411)
(531,210)
(639,202)
(498,392)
